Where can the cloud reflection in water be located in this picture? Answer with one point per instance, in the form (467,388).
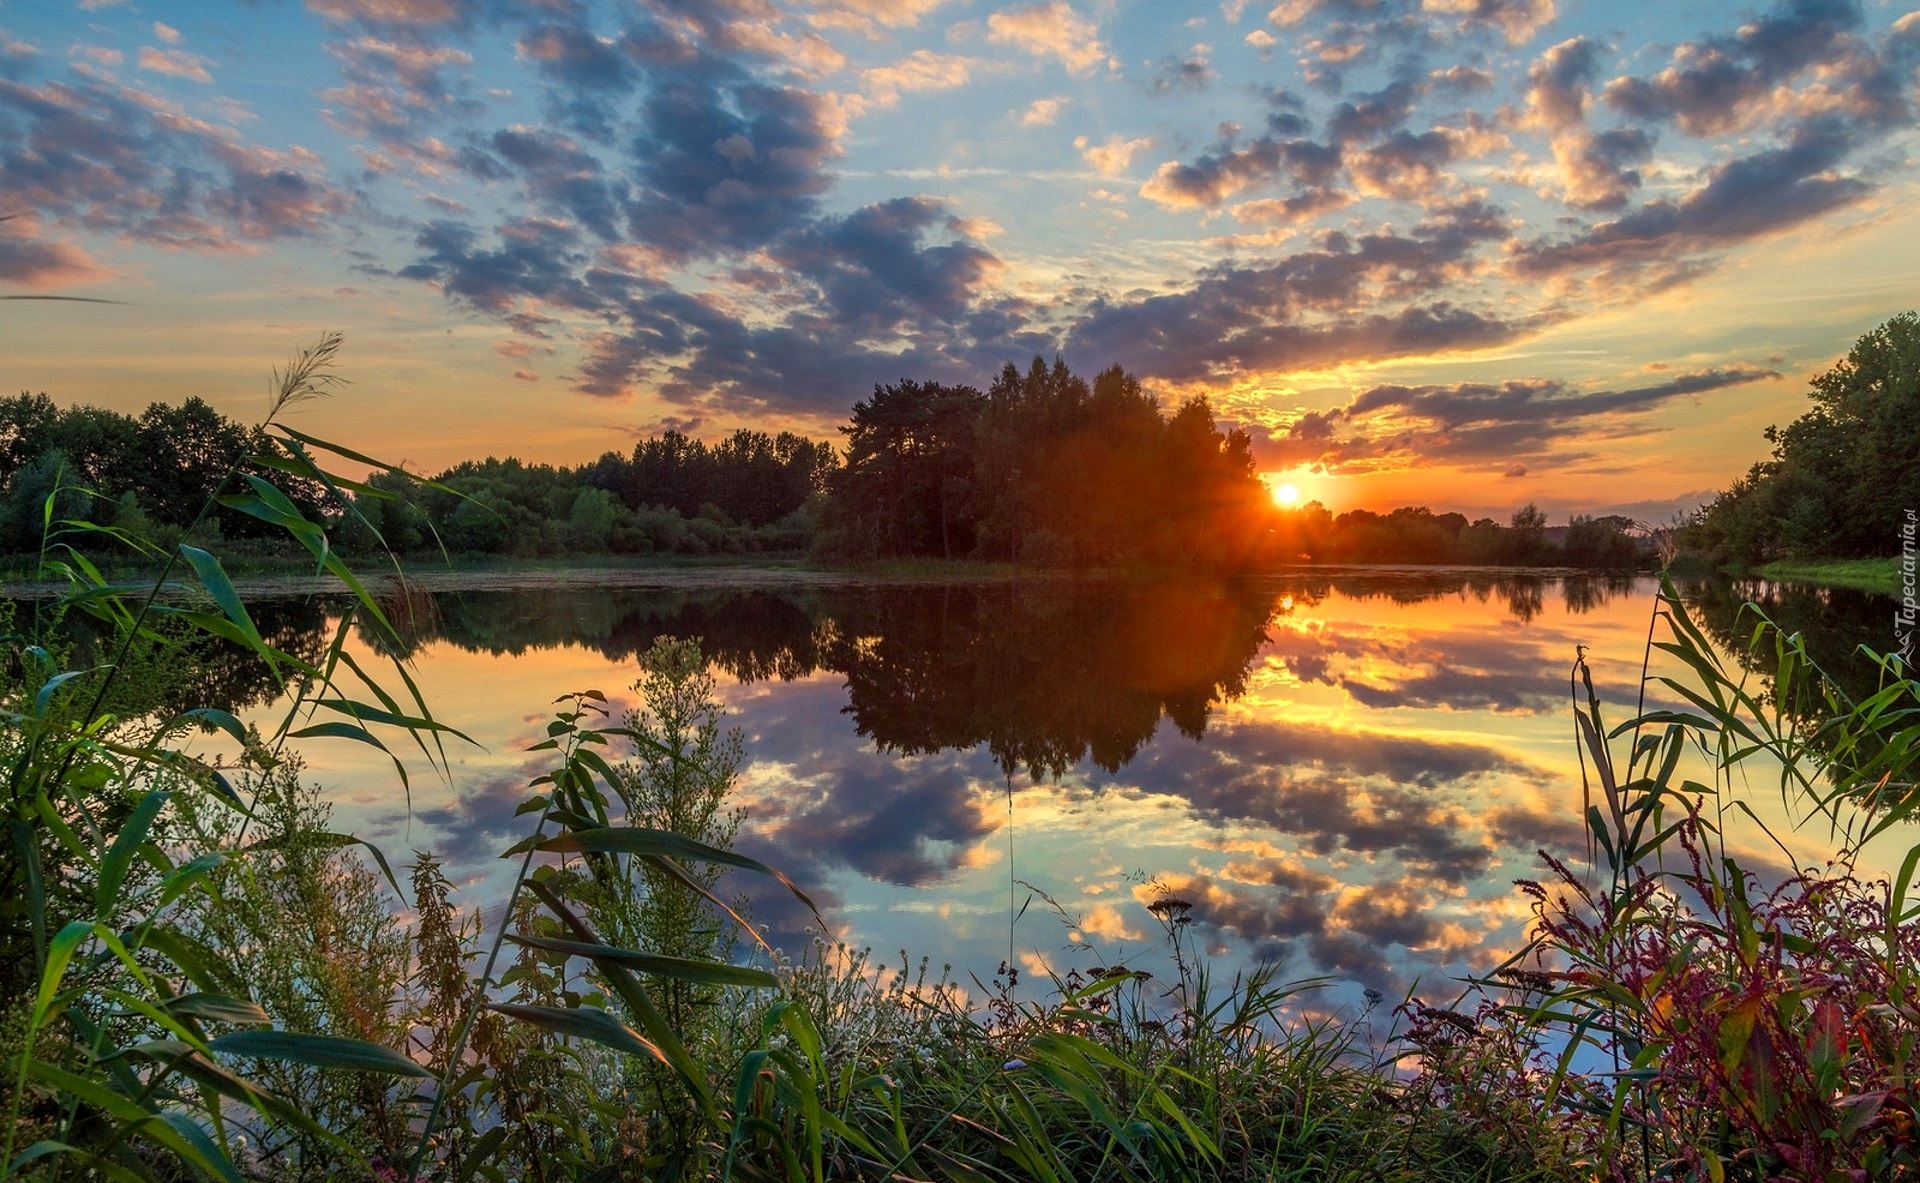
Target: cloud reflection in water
(1356,768)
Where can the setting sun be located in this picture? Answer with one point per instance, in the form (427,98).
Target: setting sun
(1286,495)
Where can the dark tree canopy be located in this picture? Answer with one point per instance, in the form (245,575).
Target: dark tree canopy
(1843,474)
(1046,468)
(154,472)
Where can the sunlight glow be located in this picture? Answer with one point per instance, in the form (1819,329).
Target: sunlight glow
(1286,495)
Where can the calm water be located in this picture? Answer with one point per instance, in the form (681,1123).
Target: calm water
(1341,773)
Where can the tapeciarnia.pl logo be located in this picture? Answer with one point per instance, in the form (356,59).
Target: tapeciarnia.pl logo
(1905,616)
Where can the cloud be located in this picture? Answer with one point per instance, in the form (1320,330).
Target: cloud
(97,54)
(1297,312)
(1592,167)
(118,161)
(1292,211)
(718,164)
(561,177)
(1476,425)
(1050,28)
(1191,73)
(878,274)
(1112,158)
(1519,20)
(1723,84)
(869,17)
(1755,196)
(910,823)
(808,55)
(1042,112)
(395,92)
(1376,21)
(723,162)
(1407,167)
(37,265)
(1381,668)
(1218,175)
(902,272)
(921,70)
(1371,116)
(573,57)
(175,64)
(392,12)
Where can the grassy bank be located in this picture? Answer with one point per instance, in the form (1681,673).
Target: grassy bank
(1879,575)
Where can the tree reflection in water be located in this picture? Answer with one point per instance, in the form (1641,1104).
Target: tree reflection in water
(1046,673)
(1358,763)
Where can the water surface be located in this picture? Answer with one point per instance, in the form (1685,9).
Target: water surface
(1341,773)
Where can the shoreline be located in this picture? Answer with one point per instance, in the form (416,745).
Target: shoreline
(729,573)
(1870,575)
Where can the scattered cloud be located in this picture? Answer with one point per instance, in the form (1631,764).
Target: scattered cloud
(1050,28)
(873,18)
(1111,158)
(29,262)
(1726,83)
(1194,72)
(1519,20)
(391,12)
(1042,112)
(921,70)
(107,159)
(175,63)
(1480,425)
(1752,197)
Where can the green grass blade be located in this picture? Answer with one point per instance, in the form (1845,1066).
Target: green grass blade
(318,1051)
(685,969)
(132,835)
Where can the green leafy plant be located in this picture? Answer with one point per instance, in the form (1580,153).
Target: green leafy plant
(126,1048)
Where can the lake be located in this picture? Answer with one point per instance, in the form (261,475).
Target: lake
(1341,772)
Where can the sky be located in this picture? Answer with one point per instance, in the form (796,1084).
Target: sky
(1461,253)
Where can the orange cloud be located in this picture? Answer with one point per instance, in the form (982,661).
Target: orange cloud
(1050,29)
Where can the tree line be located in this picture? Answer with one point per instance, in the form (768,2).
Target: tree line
(1842,477)
(1042,468)
(1415,534)
(750,493)
(153,475)
(1045,468)
(149,474)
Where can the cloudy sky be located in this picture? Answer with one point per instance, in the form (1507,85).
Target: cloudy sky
(1466,253)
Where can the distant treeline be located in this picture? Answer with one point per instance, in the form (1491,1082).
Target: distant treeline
(1415,534)
(153,474)
(751,493)
(150,474)
(1042,468)
(1843,477)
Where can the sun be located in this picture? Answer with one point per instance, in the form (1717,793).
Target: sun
(1286,495)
